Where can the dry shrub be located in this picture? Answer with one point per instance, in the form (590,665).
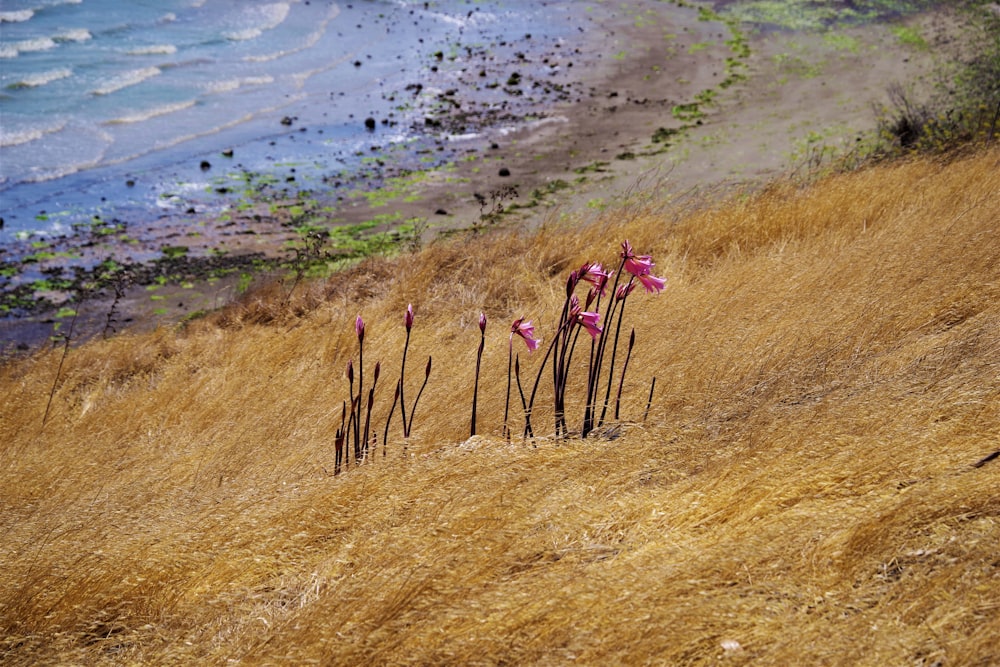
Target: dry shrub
(802,492)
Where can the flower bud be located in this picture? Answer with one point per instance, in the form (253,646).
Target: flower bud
(571,282)
(359,329)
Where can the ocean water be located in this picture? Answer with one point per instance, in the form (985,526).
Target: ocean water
(107,107)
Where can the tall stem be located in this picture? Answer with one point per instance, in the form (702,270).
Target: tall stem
(524,404)
(649,401)
(506,405)
(339,443)
(538,378)
(395,398)
(361,393)
(595,371)
(427,375)
(611,368)
(402,389)
(564,376)
(475,389)
(621,383)
(349,433)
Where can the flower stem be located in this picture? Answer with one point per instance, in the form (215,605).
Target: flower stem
(524,404)
(538,378)
(339,442)
(506,405)
(649,402)
(427,374)
(621,383)
(402,392)
(395,398)
(611,368)
(475,390)
(361,383)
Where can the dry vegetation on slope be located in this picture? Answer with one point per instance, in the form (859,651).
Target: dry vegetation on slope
(803,491)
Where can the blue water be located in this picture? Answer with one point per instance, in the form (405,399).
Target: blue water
(97,94)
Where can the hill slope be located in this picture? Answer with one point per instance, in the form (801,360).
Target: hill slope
(801,492)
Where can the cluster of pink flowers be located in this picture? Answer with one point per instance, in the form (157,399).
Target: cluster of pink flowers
(638,268)
(576,315)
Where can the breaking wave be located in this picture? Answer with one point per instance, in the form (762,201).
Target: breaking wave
(125,80)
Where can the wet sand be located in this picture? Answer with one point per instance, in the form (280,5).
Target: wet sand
(660,99)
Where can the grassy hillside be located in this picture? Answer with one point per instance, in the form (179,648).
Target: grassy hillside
(803,490)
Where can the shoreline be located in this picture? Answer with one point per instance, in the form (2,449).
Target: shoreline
(638,117)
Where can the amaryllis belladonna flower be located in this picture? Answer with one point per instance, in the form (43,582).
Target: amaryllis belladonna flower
(408,317)
(637,265)
(640,266)
(359,328)
(652,283)
(595,275)
(526,331)
(350,370)
(588,320)
(624,290)
(482,322)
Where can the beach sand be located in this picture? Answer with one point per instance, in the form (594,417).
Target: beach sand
(661,101)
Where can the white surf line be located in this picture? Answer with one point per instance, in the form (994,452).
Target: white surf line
(310,42)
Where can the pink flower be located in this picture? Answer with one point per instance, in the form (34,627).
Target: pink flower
(624,291)
(408,317)
(359,328)
(652,283)
(571,282)
(482,322)
(526,331)
(596,276)
(637,265)
(350,370)
(574,307)
(588,320)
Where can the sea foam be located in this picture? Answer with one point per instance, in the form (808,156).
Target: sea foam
(140,116)
(73,35)
(42,78)
(125,80)
(26,46)
(265,17)
(27,135)
(309,42)
(16,16)
(153,50)
(235,84)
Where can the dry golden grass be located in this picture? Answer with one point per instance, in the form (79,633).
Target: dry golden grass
(803,491)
